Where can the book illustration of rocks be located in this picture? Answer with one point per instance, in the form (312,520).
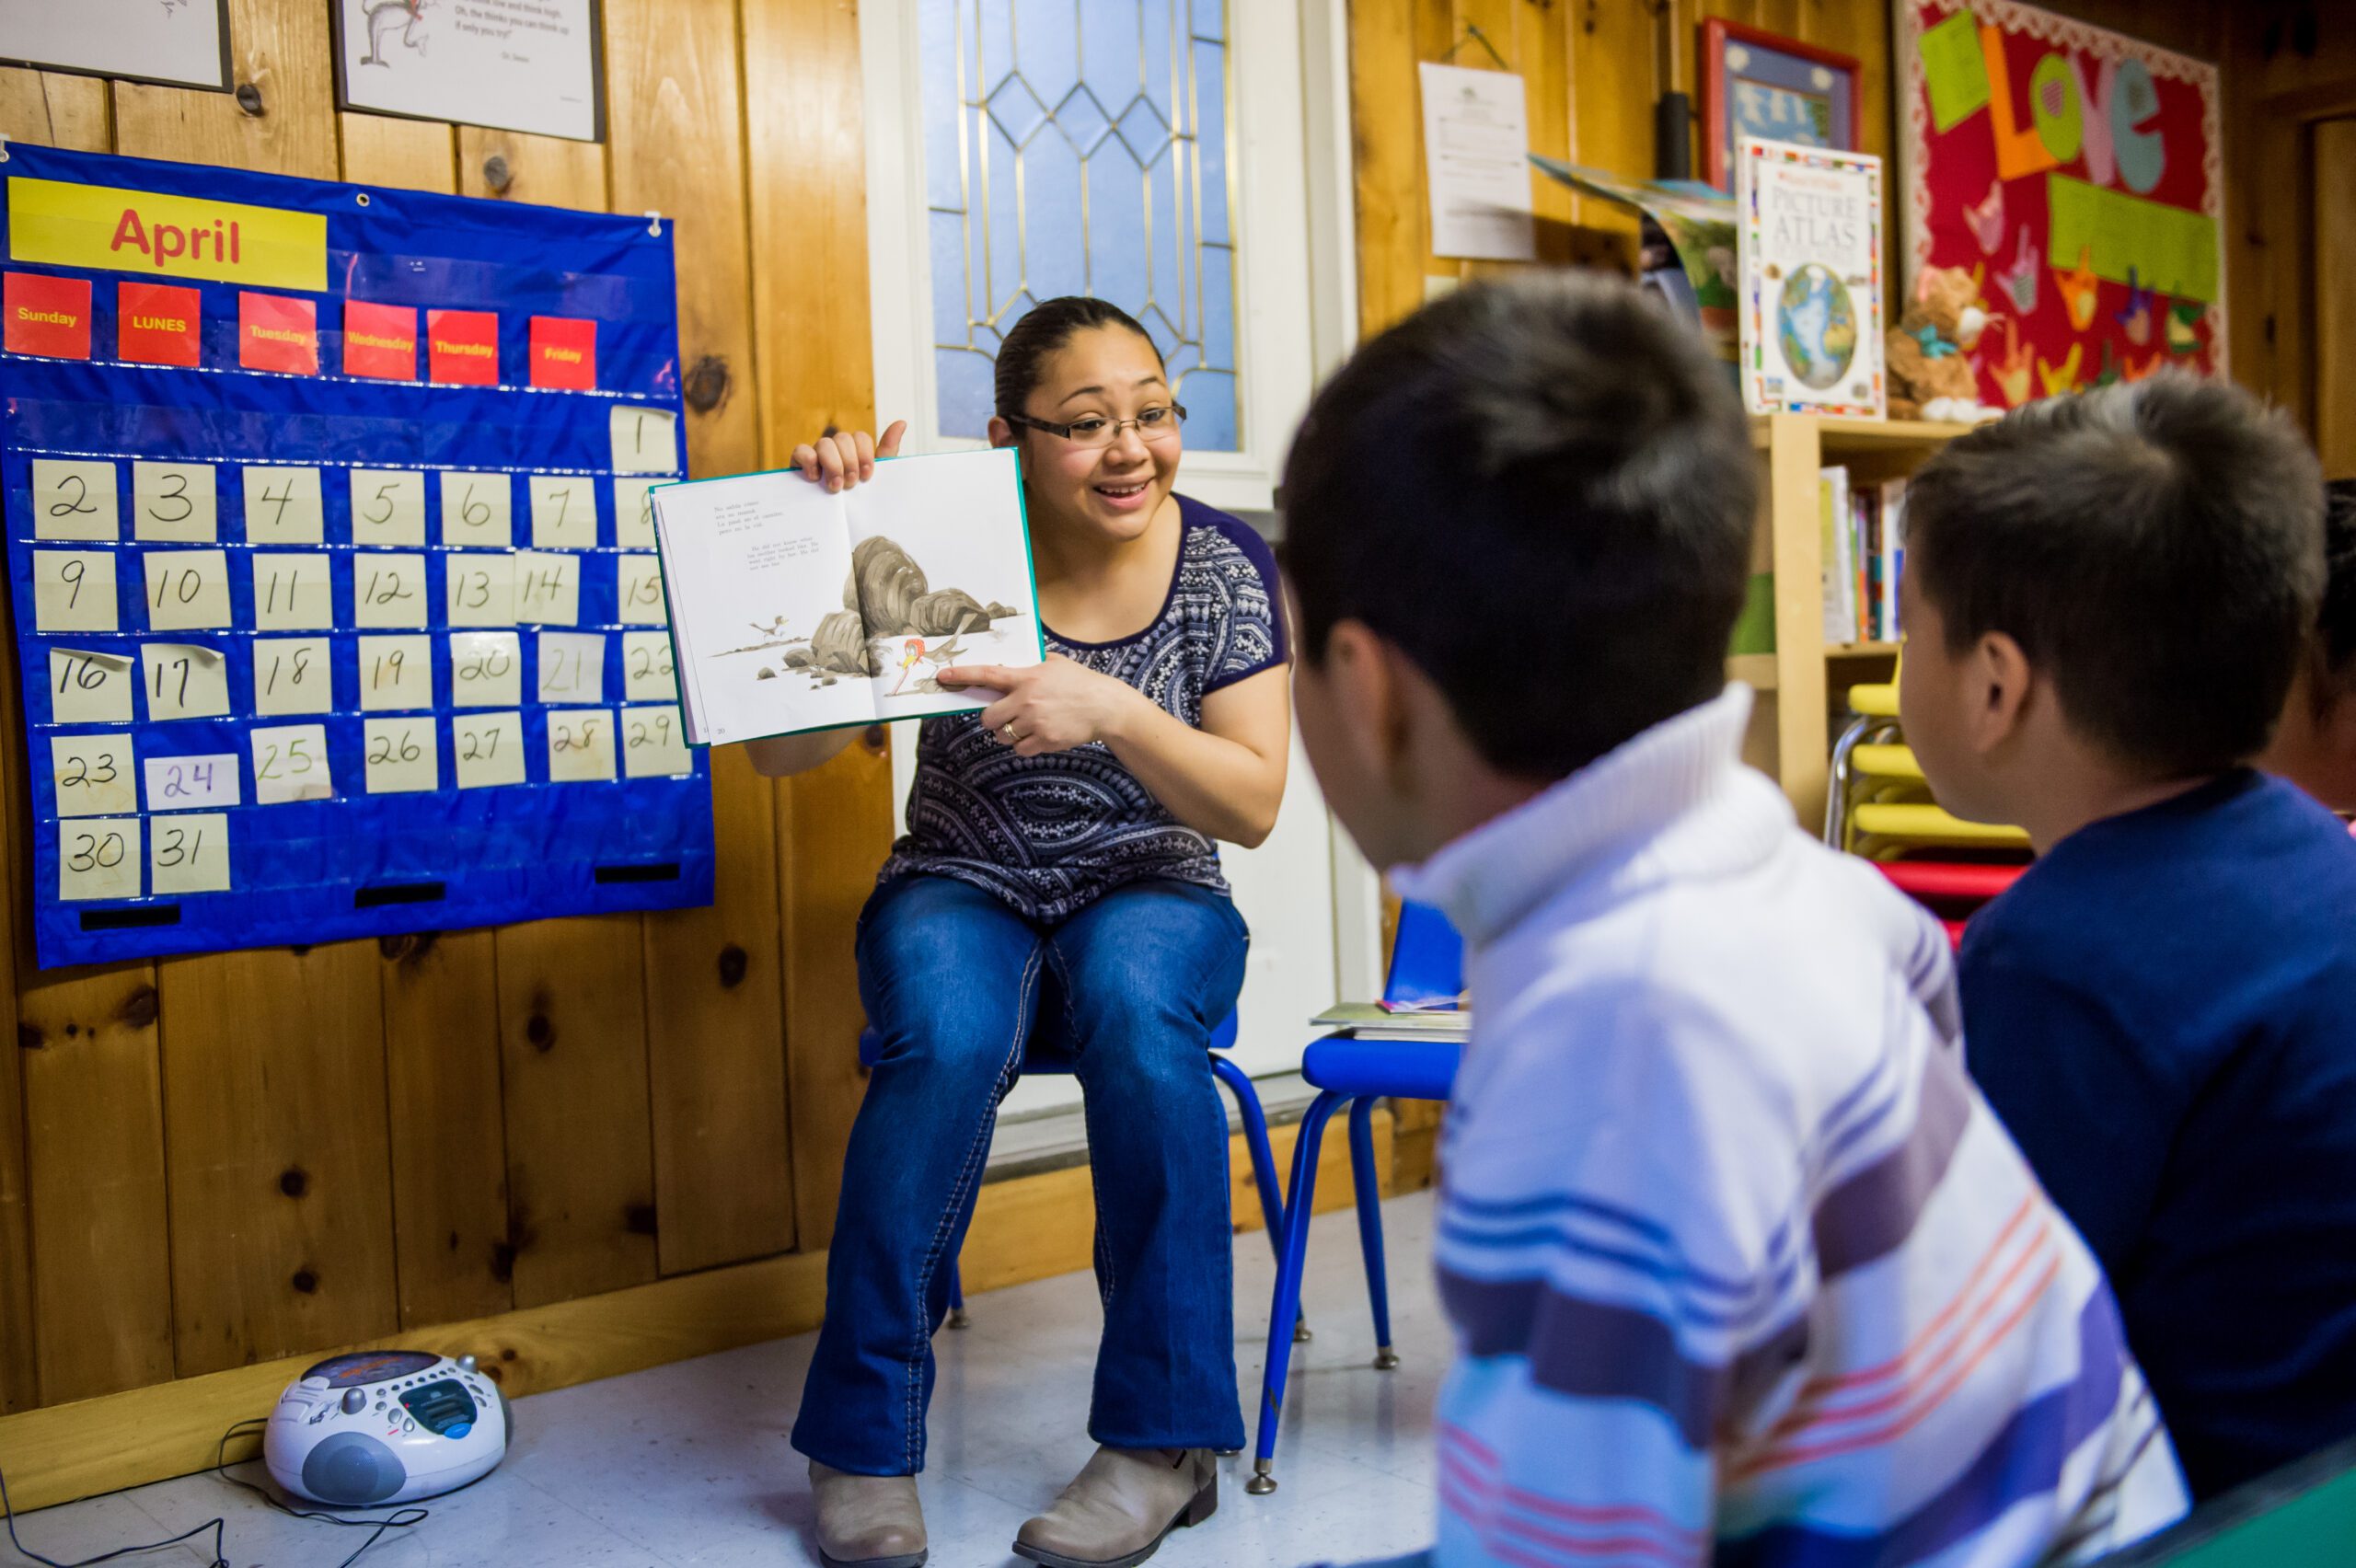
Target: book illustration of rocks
(892,622)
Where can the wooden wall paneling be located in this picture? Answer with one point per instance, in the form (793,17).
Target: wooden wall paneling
(1541,41)
(19,1367)
(94,1145)
(1434,28)
(815,356)
(580,1166)
(54,109)
(715,1002)
(2334,197)
(572,992)
(1388,168)
(282,50)
(406,155)
(448,1136)
(279,1180)
(835,825)
(547,170)
(440,998)
(23,102)
(91,1310)
(274,1061)
(2274,95)
(1614,78)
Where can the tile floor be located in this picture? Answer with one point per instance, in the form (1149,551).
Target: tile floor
(686,1466)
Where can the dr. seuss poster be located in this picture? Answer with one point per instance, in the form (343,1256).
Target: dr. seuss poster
(2077,175)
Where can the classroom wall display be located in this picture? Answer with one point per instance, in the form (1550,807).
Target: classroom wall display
(1761,83)
(2076,176)
(516,64)
(336,600)
(183,43)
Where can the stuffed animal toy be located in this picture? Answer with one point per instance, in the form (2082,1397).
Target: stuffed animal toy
(1929,375)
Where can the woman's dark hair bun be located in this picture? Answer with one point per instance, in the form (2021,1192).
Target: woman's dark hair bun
(1045,329)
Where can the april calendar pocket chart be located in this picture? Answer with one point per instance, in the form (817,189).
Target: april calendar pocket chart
(330,553)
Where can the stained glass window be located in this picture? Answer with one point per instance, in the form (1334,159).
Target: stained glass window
(1080,146)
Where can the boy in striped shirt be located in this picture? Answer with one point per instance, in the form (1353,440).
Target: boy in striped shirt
(1742,1268)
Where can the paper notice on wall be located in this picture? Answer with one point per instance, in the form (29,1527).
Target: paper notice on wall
(180,41)
(1477,146)
(517,65)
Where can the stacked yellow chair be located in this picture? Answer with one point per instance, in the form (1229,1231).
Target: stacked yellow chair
(1880,806)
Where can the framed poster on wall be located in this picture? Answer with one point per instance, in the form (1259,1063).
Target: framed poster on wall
(180,43)
(532,65)
(1761,84)
(2078,175)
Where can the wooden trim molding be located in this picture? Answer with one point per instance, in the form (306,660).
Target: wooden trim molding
(1023,1229)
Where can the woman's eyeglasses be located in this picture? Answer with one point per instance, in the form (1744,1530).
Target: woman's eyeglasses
(1152,424)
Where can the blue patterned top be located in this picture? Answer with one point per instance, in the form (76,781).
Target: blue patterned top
(1050,835)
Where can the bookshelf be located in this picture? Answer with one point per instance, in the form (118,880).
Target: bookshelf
(1803,681)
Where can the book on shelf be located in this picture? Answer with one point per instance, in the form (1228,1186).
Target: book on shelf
(1807,232)
(1863,531)
(793,609)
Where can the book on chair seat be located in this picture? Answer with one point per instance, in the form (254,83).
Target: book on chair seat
(792,609)
(1368,1021)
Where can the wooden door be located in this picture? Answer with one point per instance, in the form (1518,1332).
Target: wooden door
(2335,299)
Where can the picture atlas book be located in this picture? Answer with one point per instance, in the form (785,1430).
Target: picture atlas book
(1809,232)
(793,609)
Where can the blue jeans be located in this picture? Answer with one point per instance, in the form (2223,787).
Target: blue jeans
(956,983)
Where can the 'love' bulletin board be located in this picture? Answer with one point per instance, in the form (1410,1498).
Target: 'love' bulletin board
(2078,175)
(332,568)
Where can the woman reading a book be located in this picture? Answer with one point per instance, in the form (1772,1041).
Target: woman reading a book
(1059,879)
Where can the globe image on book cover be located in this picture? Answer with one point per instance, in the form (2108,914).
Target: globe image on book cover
(1817,325)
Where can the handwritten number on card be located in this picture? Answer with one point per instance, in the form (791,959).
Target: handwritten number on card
(94,851)
(99,857)
(171,504)
(76,502)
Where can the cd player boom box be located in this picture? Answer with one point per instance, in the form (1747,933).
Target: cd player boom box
(385,1426)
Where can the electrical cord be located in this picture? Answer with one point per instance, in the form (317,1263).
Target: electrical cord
(399,1519)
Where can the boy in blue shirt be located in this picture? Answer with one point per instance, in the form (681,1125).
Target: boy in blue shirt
(2105,598)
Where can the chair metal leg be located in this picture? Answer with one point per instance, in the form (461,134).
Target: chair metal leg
(1298,1203)
(1264,1163)
(1255,1139)
(1370,1206)
(957,1319)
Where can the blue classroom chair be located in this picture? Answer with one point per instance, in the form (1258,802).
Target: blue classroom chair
(1247,1103)
(1426,964)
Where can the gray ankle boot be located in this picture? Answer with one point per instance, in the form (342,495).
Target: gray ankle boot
(1117,1510)
(867,1521)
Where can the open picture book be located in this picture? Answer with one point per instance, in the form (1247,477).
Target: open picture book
(792,609)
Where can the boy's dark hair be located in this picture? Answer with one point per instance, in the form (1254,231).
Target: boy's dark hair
(1542,491)
(2155,547)
(1043,328)
(2335,643)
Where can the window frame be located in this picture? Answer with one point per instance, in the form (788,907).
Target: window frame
(1295,276)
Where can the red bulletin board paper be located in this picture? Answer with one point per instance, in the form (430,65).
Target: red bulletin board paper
(158,323)
(49,316)
(379,340)
(462,347)
(278,332)
(2079,175)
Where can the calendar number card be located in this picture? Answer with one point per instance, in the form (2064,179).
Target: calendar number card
(335,592)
